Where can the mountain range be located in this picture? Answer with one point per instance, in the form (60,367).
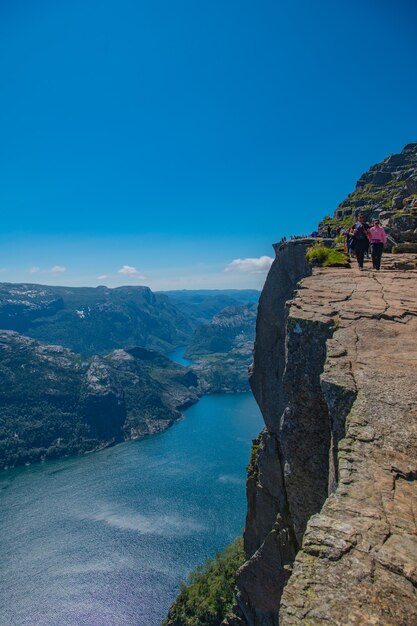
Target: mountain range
(93,320)
(82,368)
(222,348)
(54,402)
(202,304)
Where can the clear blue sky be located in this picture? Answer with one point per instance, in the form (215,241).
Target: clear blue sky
(172,137)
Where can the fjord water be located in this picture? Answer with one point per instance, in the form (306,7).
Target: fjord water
(178,356)
(104,539)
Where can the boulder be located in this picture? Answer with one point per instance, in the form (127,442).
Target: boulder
(397,201)
(381,178)
(395,159)
(411,184)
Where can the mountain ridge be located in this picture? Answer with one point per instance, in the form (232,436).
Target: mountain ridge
(55,402)
(93,320)
(386,191)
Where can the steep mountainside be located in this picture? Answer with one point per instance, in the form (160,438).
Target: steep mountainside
(222,349)
(202,304)
(388,191)
(331,534)
(93,320)
(231,328)
(52,402)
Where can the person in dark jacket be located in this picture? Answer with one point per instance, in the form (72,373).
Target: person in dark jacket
(360,242)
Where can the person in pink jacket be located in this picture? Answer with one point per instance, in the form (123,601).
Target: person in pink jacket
(378,238)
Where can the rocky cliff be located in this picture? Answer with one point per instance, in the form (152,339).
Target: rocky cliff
(331,535)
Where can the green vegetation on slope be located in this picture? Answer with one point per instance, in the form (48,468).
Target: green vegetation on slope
(326,257)
(54,403)
(93,320)
(252,468)
(209,595)
(222,349)
(200,305)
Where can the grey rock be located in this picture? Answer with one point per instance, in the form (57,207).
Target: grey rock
(411,184)
(338,463)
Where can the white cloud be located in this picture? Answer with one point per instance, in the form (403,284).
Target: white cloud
(57,269)
(34,269)
(102,276)
(250,266)
(130,271)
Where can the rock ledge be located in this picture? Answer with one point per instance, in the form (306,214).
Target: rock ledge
(331,532)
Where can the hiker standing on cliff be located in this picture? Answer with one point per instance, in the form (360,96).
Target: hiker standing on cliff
(378,238)
(360,241)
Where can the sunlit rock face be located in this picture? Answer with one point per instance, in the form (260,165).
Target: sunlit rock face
(331,533)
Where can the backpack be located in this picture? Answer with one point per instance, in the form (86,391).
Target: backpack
(360,232)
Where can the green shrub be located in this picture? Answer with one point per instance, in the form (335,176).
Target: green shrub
(252,468)
(326,257)
(209,596)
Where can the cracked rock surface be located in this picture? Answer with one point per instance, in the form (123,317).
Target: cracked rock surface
(358,562)
(331,530)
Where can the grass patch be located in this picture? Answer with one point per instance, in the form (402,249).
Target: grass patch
(252,468)
(209,595)
(343,222)
(320,256)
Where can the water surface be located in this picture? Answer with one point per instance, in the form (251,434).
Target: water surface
(104,539)
(178,356)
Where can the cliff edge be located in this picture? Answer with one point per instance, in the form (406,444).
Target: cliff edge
(331,529)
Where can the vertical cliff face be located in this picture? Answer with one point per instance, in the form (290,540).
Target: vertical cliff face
(322,501)
(288,482)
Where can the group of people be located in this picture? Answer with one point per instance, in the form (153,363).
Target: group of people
(361,236)
(313,235)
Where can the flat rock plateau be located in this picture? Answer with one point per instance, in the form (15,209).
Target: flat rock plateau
(331,529)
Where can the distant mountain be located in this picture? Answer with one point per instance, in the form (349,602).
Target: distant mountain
(202,304)
(230,329)
(70,380)
(93,320)
(53,402)
(222,349)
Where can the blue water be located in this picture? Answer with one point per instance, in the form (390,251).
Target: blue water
(178,356)
(104,539)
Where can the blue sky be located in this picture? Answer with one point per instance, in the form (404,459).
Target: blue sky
(156,142)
